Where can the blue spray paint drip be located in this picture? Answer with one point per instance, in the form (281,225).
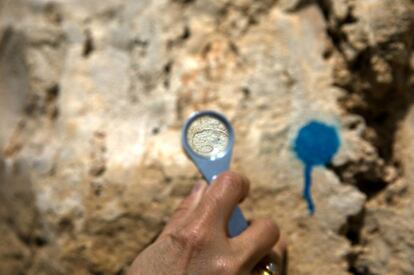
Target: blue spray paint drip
(316,144)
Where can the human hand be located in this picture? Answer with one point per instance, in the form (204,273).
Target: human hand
(195,240)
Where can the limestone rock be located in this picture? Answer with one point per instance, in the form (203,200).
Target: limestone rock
(97,92)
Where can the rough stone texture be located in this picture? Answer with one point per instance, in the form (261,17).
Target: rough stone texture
(93,95)
(374,65)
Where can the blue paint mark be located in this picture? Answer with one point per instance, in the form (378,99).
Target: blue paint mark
(316,144)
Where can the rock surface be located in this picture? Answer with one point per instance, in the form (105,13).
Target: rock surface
(93,95)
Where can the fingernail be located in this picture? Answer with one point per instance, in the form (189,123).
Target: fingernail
(197,187)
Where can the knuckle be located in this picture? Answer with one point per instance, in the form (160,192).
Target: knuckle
(197,236)
(221,265)
(192,237)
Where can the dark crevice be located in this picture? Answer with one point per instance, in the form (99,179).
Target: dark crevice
(334,25)
(137,42)
(246,93)
(382,105)
(167,74)
(353,269)
(352,231)
(234,48)
(349,19)
(52,92)
(371,188)
(89,44)
(51,104)
(300,5)
(178,41)
(382,116)
(184,2)
(155,131)
(352,228)
(40,241)
(65,225)
(6,40)
(325,7)
(369,182)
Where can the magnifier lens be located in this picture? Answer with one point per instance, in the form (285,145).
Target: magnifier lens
(208,136)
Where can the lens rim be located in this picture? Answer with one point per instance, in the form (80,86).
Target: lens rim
(194,116)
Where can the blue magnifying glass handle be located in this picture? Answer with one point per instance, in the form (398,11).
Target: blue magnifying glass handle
(211,166)
(237,223)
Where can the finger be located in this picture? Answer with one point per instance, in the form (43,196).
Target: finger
(224,194)
(185,208)
(256,242)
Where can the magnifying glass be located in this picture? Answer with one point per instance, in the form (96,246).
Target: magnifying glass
(208,139)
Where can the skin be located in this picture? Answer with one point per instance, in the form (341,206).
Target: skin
(195,240)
